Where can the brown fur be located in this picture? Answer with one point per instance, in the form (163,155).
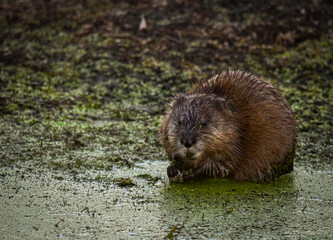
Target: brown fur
(250,128)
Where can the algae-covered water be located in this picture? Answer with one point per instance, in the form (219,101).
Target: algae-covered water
(84,86)
(47,205)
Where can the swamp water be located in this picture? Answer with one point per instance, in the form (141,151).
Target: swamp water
(143,204)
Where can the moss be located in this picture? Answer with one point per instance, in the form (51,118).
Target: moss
(124,182)
(150,179)
(113,89)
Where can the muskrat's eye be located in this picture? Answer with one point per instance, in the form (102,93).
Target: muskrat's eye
(179,122)
(203,124)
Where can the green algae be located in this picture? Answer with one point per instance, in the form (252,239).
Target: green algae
(93,204)
(124,182)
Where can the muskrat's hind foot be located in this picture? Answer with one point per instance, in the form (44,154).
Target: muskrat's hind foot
(223,172)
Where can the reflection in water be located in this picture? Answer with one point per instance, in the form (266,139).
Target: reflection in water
(216,207)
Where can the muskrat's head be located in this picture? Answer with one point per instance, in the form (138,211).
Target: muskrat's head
(198,124)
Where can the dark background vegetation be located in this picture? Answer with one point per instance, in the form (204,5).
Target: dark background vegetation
(83,84)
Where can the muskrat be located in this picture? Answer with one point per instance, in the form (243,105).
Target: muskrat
(234,125)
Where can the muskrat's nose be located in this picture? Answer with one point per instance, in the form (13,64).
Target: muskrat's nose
(189,142)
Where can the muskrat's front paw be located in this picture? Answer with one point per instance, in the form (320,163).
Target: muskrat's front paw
(177,179)
(172,171)
(186,175)
(181,176)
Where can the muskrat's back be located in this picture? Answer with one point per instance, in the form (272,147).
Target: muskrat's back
(234,125)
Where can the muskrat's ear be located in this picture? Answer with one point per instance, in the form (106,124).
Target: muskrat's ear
(178,100)
(220,103)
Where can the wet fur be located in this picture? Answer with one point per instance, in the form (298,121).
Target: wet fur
(250,129)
